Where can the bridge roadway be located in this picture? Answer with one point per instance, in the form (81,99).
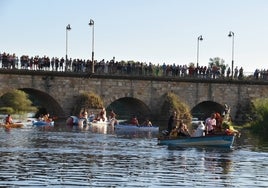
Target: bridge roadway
(140,95)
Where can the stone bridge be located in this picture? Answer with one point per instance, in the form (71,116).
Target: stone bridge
(56,91)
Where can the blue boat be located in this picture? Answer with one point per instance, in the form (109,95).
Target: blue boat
(223,140)
(43,123)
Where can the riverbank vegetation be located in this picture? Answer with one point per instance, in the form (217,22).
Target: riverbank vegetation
(16,102)
(259,117)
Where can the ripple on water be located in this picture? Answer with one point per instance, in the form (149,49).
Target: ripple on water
(34,158)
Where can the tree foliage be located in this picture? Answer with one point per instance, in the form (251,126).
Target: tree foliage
(173,103)
(16,101)
(218,62)
(87,101)
(259,113)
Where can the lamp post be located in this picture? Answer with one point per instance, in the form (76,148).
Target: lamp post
(68,28)
(91,23)
(200,38)
(231,34)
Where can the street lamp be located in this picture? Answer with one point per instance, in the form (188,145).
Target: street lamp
(68,28)
(91,23)
(200,38)
(231,34)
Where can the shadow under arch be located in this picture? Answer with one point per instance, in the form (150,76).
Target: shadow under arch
(44,101)
(127,107)
(204,109)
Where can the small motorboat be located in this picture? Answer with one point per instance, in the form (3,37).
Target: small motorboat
(215,140)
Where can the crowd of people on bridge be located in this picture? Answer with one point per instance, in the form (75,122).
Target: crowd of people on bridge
(45,63)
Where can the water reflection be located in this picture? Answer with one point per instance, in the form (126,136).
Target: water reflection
(60,157)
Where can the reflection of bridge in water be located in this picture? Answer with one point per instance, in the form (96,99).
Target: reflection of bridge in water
(132,95)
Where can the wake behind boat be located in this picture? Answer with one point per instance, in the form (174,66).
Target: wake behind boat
(136,128)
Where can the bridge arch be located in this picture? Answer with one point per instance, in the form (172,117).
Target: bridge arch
(127,107)
(44,101)
(205,108)
(148,89)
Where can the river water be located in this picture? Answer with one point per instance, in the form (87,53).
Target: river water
(61,157)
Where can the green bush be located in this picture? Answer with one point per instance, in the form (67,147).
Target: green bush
(87,101)
(6,110)
(16,101)
(260,111)
(173,103)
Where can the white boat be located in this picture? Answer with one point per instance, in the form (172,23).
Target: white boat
(95,126)
(103,127)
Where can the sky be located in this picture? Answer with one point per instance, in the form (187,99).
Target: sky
(151,31)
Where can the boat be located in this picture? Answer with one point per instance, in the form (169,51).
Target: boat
(12,125)
(96,126)
(135,128)
(75,121)
(43,123)
(216,140)
(103,127)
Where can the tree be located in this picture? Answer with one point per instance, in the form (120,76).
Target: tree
(173,103)
(16,101)
(87,101)
(218,62)
(259,115)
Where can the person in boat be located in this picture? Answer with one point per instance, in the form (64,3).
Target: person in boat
(171,121)
(112,114)
(134,121)
(8,119)
(219,120)
(41,117)
(210,123)
(102,115)
(200,130)
(47,118)
(113,120)
(148,123)
(84,116)
(91,117)
(174,132)
(229,129)
(180,131)
(183,129)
